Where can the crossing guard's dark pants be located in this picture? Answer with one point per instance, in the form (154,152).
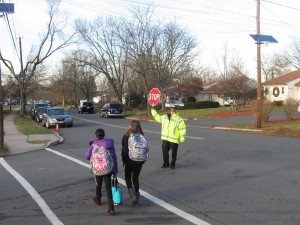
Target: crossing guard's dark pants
(166,146)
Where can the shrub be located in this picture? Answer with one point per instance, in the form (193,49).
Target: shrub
(278,103)
(290,107)
(266,109)
(191,99)
(201,105)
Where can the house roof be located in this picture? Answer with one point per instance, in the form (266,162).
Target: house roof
(210,86)
(284,78)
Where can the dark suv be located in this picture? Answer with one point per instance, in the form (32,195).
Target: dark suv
(35,107)
(86,107)
(112,110)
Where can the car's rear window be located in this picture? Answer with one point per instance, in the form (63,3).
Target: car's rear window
(55,112)
(40,105)
(116,106)
(88,104)
(42,110)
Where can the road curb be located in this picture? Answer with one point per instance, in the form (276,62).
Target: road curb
(236,129)
(57,141)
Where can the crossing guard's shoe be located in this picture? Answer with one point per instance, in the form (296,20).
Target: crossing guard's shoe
(165,165)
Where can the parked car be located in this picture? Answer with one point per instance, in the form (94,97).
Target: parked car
(86,107)
(54,116)
(112,110)
(228,101)
(35,107)
(173,103)
(40,112)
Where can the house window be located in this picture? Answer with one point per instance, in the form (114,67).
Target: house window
(266,91)
(282,90)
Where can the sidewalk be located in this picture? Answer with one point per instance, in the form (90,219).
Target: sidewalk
(18,143)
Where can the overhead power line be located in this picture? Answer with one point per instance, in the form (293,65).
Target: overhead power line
(11,34)
(289,7)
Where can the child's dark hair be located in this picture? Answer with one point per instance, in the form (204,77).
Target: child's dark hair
(100,133)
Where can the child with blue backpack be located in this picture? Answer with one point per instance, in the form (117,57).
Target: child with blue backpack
(108,144)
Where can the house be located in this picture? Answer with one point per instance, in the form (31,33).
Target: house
(213,92)
(209,93)
(283,87)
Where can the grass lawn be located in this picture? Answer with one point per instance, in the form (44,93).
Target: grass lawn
(27,126)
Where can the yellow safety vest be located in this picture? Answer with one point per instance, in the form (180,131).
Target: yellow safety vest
(173,130)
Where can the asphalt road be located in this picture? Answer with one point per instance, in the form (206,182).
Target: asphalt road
(221,177)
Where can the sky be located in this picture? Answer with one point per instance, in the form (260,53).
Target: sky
(213,23)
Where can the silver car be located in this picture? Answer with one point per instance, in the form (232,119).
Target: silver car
(54,116)
(40,112)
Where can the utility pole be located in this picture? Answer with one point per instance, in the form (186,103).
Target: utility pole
(4,8)
(260,39)
(22,80)
(258,45)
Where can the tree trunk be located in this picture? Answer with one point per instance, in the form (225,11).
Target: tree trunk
(22,103)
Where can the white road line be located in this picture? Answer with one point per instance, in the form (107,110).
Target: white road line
(34,194)
(149,131)
(152,198)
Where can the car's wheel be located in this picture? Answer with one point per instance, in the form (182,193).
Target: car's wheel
(70,125)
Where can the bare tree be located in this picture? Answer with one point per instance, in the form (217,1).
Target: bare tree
(141,35)
(205,73)
(51,41)
(160,52)
(274,66)
(189,87)
(229,64)
(59,89)
(107,53)
(80,76)
(292,54)
(174,53)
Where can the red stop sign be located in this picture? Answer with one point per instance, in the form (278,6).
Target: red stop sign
(154,97)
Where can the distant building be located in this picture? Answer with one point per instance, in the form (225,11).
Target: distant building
(283,87)
(211,92)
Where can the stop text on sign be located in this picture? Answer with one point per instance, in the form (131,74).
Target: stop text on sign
(154,97)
